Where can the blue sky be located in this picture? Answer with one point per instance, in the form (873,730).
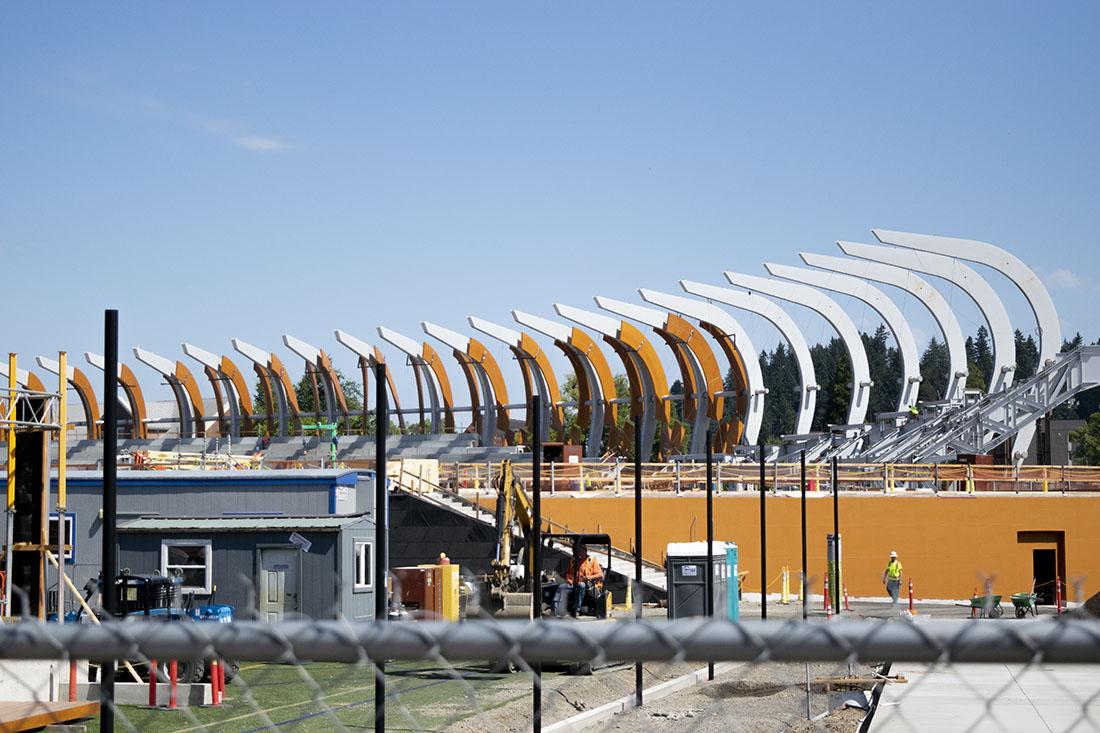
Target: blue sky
(248,170)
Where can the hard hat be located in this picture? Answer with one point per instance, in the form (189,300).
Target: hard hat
(893,554)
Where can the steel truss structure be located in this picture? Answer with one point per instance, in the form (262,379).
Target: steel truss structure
(697,329)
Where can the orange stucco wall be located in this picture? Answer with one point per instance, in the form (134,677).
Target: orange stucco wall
(948,543)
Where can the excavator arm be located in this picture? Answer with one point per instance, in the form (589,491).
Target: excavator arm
(513,507)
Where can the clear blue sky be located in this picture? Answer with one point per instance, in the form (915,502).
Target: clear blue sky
(220,170)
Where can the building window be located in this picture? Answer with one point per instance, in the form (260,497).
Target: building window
(363,570)
(190,560)
(70,535)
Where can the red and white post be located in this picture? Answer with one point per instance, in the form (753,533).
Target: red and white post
(828,605)
(173,684)
(1058,593)
(911,610)
(152,683)
(846,606)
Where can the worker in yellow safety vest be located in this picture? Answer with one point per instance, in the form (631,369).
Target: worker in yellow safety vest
(891,576)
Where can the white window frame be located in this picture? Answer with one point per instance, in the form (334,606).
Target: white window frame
(361,564)
(70,535)
(208,568)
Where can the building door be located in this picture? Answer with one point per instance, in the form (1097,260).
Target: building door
(278,582)
(1045,567)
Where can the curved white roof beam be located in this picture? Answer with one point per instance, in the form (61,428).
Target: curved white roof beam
(1004,262)
(369,357)
(1012,267)
(562,336)
(970,282)
(609,328)
(514,340)
(922,290)
(886,309)
(657,320)
(778,317)
(312,356)
(262,360)
(461,344)
(728,325)
(831,311)
(213,363)
(167,369)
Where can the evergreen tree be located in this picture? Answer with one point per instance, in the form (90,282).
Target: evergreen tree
(1027,356)
(935,371)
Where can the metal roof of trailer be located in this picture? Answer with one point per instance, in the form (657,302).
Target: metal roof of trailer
(236,524)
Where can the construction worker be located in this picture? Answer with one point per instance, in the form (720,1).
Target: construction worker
(443,559)
(891,576)
(581,574)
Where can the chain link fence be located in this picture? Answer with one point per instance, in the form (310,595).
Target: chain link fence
(783,674)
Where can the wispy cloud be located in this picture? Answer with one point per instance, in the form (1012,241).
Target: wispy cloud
(1065,278)
(231,131)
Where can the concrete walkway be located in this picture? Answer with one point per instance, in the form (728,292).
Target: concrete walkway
(991,697)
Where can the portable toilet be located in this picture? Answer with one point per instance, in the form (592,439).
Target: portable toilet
(733,586)
(686,568)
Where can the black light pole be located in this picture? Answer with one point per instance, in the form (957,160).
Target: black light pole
(710,537)
(804,590)
(109,570)
(836,539)
(536,550)
(763,542)
(638,546)
(381,541)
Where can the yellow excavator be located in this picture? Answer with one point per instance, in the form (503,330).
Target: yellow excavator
(507,577)
(512,566)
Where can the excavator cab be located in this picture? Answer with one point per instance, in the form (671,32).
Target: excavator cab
(597,598)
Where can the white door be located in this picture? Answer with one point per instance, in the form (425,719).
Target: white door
(278,582)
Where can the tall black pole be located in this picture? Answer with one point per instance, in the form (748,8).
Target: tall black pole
(638,546)
(763,541)
(110,507)
(710,537)
(381,541)
(805,590)
(536,549)
(835,581)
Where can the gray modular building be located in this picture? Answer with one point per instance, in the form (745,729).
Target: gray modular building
(274,544)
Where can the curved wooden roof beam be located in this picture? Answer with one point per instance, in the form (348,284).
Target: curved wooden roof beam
(184,388)
(84,392)
(230,390)
(427,360)
(319,364)
(488,410)
(129,384)
(704,391)
(538,375)
(649,386)
(596,393)
(369,357)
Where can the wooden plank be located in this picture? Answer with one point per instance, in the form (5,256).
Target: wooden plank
(20,716)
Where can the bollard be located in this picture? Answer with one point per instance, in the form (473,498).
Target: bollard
(973,610)
(221,681)
(911,611)
(173,674)
(72,680)
(215,698)
(152,683)
(846,606)
(1058,593)
(785,595)
(825,601)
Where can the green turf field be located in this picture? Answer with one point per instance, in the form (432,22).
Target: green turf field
(308,698)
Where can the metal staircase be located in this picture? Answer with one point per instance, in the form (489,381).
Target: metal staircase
(981,426)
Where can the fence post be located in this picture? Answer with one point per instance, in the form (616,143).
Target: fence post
(173,684)
(552,482)
(152,683)
(912,611)
(763,539)
(639,591)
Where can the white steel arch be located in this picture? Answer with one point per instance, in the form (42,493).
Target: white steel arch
(970,282)
(656,320)
(832,312)
(712,314)
(922,290)
(886,309)
(778,317)
(1012,267)
(562,335)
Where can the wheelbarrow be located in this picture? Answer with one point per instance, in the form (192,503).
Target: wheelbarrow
(1024,603)
(986,606)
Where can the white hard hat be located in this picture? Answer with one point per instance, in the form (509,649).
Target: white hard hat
(893,554)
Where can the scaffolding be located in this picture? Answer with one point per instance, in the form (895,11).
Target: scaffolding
(25,411)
